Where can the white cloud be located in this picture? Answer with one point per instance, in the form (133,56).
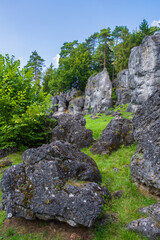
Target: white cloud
(56,60)
(155,23)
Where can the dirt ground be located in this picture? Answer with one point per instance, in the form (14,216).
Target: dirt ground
(50,228)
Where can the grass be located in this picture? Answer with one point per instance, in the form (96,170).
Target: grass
(124,208)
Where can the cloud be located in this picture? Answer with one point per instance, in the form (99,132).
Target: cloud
(155,23)
(56,60)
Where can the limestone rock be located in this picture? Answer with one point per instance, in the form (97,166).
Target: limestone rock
(122,91)
(118,132)
(144,70)
(76,105)
(71,128)
(98,93)
(152,210)
(145,163)
(47,185)
(146,226)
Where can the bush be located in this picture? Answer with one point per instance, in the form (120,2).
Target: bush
(24,108)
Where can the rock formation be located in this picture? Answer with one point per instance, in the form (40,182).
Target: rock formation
(73,101)
(142,77)
(118,132)
(144,70)
(122,91)
(145,163)
(71,128)
(48,185)
(149,226)
(98,93)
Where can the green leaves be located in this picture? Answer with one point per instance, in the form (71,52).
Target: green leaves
(23,107)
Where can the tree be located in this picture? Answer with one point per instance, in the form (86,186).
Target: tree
(36,63)
(47,77)
(23,109)
(104,38)
(116,34)
(144,27)
(91,43)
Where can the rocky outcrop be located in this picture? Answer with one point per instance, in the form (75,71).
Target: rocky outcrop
(72,100)
(145,163)
(144,70)
(118,132)
(48,185)
(98,93)
(149,226)
(122,91)
(76,105)
(71,128)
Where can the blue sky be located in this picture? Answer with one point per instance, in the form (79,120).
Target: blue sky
(44,25)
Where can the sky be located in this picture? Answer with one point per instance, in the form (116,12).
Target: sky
(44,25)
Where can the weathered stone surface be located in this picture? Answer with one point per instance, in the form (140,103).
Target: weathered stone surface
(71,129)
(72,100)
(118,194)
(55,103)
(146,226)
(145,163)
(5,162)
(4,152)
(47,186)
(76,105)
(122,91)
(98,93)
(118,132)
(152,210)
(144,70)
(62,103)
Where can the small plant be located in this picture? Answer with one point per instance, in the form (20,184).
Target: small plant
(90,109)
(10,232)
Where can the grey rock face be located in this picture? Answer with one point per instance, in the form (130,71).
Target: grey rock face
(46,186)
(76,105)
(146,226)
(122,91)
(145,163)
(117,132)
(98,93)
(71,128)
(152,210)
(144,70)
(72,100)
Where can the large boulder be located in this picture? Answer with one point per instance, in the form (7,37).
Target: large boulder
(118,132)
(98,93)
(122,91)
(145,163)
(55,181)
(144,70)
(71,128)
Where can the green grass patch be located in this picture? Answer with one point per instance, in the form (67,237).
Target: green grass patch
(126,207)
(97,125)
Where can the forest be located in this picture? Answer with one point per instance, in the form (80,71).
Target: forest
(25,94)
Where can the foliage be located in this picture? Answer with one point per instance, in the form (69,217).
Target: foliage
(23,117)
(36,63)
(74,69)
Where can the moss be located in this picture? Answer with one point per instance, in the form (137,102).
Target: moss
(27,190)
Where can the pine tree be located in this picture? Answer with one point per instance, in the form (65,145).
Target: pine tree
(37,63)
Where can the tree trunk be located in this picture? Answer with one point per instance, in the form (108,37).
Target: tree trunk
(105,55)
